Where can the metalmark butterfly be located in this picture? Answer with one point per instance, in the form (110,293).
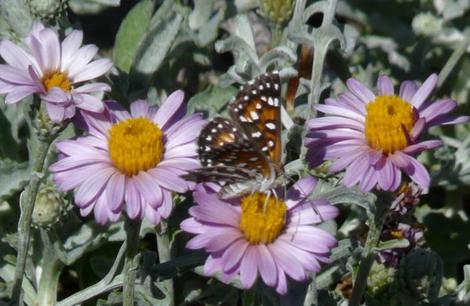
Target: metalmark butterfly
(243,154)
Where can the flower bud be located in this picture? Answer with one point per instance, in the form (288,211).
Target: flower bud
(46,9)
(278,11)
(49,207)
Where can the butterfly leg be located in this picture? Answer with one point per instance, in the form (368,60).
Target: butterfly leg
(266,200)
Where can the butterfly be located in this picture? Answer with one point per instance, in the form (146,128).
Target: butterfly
(243,154)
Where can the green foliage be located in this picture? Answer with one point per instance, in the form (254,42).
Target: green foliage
(131,33)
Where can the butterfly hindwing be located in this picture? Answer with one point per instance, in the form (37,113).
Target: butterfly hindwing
(221,143)
(257,110)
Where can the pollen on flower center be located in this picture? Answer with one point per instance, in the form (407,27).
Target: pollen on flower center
(389,122)
(135,145)
(262,218)
(56,79)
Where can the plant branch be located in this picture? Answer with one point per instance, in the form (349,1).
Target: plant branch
(454,59)
(131,264)
(376,222)
(27,202)
(164,255)
(109,282)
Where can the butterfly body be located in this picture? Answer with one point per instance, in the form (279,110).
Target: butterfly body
(243,155)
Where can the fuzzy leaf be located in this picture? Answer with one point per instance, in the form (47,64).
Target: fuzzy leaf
(201,13)
(13,177)
(392,244)
(18,15)
(212,100)
(131,33)
(8,145)
(155,47)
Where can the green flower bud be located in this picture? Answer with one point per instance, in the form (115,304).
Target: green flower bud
(278,11)
(49,207)
(380,278)
(46,9)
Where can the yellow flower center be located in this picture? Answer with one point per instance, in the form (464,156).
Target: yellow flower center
(389,121)
(135,145)
(262,218)
(56,79)
(396,234)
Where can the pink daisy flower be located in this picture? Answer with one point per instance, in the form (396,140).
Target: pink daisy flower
(374,137)
(53,70)
(134,158)
(253,236)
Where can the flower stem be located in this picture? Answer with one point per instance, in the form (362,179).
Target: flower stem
(311,298)
(164,255)
(109,282)
(376,222)
(454,58)
(27,202)
(131,264)
(51,270)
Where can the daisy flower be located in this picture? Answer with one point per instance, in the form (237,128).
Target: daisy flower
(252,235)
(53,70)
(374,137)
(134,158)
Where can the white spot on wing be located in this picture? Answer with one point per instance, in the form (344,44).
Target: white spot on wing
(255,158)
(276,86)
(271,143)
(209,137)
(256,134)
(271,126)
(254,115)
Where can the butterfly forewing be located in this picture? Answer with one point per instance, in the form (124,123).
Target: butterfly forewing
(256,109)
(225,151)
(242,154)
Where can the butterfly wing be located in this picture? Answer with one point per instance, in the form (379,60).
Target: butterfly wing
(227,155)
(257,110)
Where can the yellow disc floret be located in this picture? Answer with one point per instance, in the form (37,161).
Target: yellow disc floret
(262,219)
(135,145)
(389,122)
(56,79)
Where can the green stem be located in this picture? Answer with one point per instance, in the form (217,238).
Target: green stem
(109,282)
(276,35)
(27,202)
(454,58)
(51,270)
(131,264)
(311,298)
(319,54)
(164,255)
(376,222)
